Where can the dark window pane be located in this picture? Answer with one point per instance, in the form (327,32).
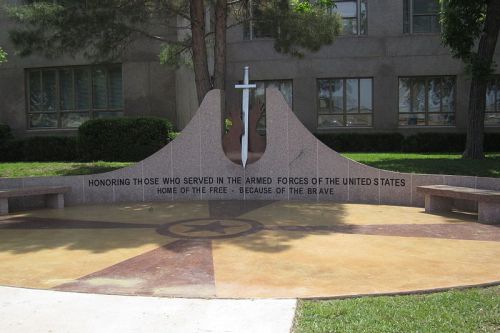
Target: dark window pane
(497,88)
(412,119)
(434,95)
(428,23)
(286,88)
(364,120)
(330,121)
(418,95)
(99,88)
(490,96)
(43,120)
(35,82)
(425,6)
(441,119)
(492,119)
(66,89)
(346,8)
(449,94)
(73,120)
(115,88)
(404,95)
(352,101)
(83,89)
(324,96)
(108,114)
(406,16)
(366,95)
(349,26)
(337,87)
(49,91)
(363,20)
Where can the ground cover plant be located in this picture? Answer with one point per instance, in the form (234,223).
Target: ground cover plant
(473,310)
(450,164)
(37,169)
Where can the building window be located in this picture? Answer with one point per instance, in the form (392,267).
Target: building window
(66,97)
(259,94)
(354,16)
(427,101)
(345,103)
(492,115)
(421,16)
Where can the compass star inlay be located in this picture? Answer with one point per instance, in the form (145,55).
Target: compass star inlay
(215,226)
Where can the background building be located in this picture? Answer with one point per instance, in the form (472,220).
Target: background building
(388,72)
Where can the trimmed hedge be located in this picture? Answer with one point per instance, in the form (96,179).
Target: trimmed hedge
(5,134)
(394,142)
(434,142)
(122,139)
(40,149)
(355,142)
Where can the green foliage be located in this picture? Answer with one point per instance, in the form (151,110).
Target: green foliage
(102,29)
(475,310)
(122,139)
(44,169)
(431,163)
(3,56)
(300,26)
(41,148)
(463,22)
(355,142)
(175,55)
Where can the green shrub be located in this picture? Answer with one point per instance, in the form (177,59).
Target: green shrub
(434,143)
(40,149)
(5,134)
(492,142)
(356,142)
(122,139)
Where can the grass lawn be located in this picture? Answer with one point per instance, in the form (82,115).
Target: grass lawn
(473,310)
(450,164)
(33,169)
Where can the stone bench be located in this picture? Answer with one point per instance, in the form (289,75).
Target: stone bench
(54,196)
(439,198)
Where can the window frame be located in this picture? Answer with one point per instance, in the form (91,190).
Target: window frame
(427,78)
(411,15)
(496,78)
(60,111)
(358,17)
(344,102)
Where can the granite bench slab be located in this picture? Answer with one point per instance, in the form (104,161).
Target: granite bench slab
(54,196)
(439,198)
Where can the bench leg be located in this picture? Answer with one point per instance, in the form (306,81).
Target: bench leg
(4,206)
(489,213)
(434,204)
(54,201)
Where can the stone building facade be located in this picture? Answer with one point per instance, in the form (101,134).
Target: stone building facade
(387,72)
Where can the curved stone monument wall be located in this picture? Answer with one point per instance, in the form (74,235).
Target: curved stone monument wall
(295,166)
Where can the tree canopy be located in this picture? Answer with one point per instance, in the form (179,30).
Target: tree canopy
(102,30)
(3,56)
(470,29)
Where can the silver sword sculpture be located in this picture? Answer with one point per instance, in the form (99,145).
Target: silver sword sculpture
(246,86)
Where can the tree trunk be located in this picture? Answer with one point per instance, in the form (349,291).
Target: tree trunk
(474,148)
(220,44)
(199,49)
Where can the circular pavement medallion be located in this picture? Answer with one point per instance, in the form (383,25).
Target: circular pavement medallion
(210,228)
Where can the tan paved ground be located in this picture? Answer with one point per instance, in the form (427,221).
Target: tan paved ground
(255,249)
